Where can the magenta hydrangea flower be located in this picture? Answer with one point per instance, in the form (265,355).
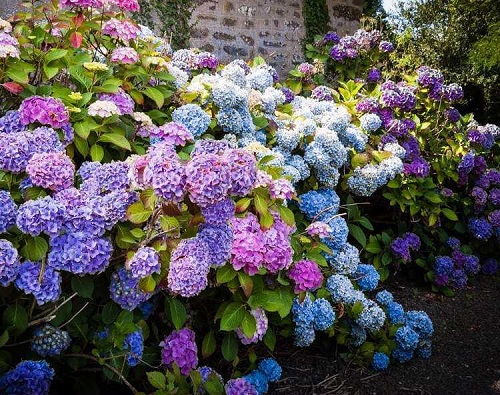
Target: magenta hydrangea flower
(208,179)
(260,330)
(180,347)
(123,30)
(306,275)
(278,251)
(189,267)
(172,133)
(243,173)
(281,189)
(44,110)
(54,171)
(125,55)
(247,250)
(127,5)
(318,228)
(121,99)
(145,262)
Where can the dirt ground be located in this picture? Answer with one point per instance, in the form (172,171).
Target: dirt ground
(465,360)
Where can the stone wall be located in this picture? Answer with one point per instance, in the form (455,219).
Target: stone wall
(273,29)
(9,7)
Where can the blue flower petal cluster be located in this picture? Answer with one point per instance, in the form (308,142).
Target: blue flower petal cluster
(50,341)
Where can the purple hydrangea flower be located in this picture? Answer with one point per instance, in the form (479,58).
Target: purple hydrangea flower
(43,215)
(15,151)
(180,347)
(419,167)
(386,46)
(452,114)
(480,228)
(218,239)
(8,211)
(243,171)
(219,213)
(122,100)
(322,93)
(120,29)
(490,266)
(172,133)
(240,386)
(44,110)
(374,75)
(54,171)
(28,377)
(247,250)
(11,122)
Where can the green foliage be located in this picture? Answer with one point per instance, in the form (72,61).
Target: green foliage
(316,19)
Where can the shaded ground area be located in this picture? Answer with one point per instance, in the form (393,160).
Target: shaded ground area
(465,361)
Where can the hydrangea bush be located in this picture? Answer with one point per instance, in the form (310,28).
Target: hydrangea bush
(161,211)
(445,184)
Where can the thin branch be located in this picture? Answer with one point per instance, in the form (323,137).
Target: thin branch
(112,368)
(74,316)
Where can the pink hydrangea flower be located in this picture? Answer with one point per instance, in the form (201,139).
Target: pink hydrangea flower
(125,55)
(54,170)
(80,3)
(281,189)
(319,228)
(123,30)
(45,110)
(127,5)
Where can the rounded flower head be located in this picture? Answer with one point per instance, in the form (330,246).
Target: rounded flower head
(50,341)
(323,314)
(281,189)
(125,55)
(372,317)
(218,239)
(134,344)
(239,387)
(120,29)
(219,213)
(54,171)
(11,122)
(15,151)
(306,275)
(260,328)
(180,347)
(8,211)
(144,263)
(189,267)
(43,215)
(172,133)
(208,179)
(243,171)
(44,289)
(247,250)
(380,361)
(193,118)
(122,100)
(9,262)
(103,109)
(367,277)
(258,380)
(406,338)
(44,110)
(124,290)
(28,377)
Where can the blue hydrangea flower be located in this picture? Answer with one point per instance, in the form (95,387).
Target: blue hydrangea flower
(384,297)
(480,228)
(338,239)
(258,380)
(134,344)
(358,335)
(323,314)
(28,377)
(372,317)
(50,341)
(193,118)
(124,290)
(396,313)
(406,338)
(226,94)
(420,322)
(271,369)
(287,139)
(42,215)
(340,287)
(370,122)
(11,122)
(9,262)
(323,201)
(48,289)
(302,311)
(443,265)
(219,239)
(259,79)
(380,361)
(367,277)
(401,355)
(346,259)
(304,335)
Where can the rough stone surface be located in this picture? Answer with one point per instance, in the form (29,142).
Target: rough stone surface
(273,29)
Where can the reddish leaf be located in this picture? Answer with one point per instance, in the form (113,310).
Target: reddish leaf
(78,20)
(13,87)
(76,40)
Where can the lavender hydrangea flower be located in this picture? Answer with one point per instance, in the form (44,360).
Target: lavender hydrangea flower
(15,151)
(8,211)
(11,122)
(218,239)
(145,262)
(45,289)
(243,171)
(189,267)
(172,133)
(180,347)
(240,386)
(480,228)
(260,329)
(125,55)
(54,171)
(121,99)
(247,250)
(43,215)
(219,213)
(120,29)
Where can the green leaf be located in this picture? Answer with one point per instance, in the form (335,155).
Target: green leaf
(266,220)
(449,214)
(232,316)
(54,54)
(260,122)
(249,324)
(365,223)
(96,153)
(155,95)
(16,319)
(270,339)
(208,345)
(229,347)
(279,300)
(242,204)
(225,274)
(83,286)
(261,205)
(147,284)
(4,338)
(138,214)
(357,308)
(358,234)
(246,283)
(35,249)
(81,145)
(168,223)
(109,313)
(177,313)
(116,139)
(287,215)
(157,380)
